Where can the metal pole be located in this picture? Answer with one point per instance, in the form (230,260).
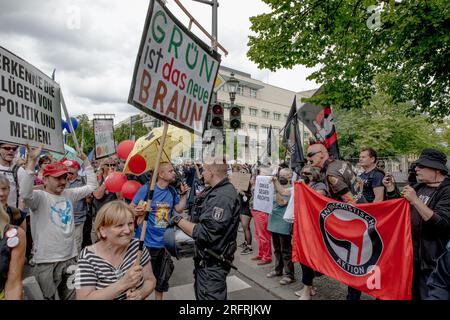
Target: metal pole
(72,132)
(131,126)
(215,5)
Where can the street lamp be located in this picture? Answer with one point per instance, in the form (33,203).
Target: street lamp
(232,84)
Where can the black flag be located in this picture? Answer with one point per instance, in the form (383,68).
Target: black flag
(319,120)
(269,142)
(292,140)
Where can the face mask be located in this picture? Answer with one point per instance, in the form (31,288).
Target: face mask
(306,179)
(283,181)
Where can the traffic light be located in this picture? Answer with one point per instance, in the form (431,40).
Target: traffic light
(217,117)
(235,117)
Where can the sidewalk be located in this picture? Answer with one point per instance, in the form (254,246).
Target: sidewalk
(327,288)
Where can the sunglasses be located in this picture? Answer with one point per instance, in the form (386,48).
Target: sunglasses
(9,148)
(312,154)
(307,173)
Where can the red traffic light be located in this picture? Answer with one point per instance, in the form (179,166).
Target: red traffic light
(217,109)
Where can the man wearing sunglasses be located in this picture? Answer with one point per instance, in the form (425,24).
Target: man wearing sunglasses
(342,185)
(430,215)
(12,172)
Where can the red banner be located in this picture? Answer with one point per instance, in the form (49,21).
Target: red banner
(366,246)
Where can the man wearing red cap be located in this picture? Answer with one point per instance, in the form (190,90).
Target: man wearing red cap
(80,207)
(52,224)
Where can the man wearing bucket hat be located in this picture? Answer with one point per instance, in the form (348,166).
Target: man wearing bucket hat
(430,215)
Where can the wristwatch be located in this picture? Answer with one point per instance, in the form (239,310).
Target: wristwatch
(176,219)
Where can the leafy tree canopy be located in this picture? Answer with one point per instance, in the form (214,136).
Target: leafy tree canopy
(405,44)
(385,126)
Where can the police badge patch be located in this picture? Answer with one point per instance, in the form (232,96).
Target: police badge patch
(217,213)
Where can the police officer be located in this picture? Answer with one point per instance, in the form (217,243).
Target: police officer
(214,229)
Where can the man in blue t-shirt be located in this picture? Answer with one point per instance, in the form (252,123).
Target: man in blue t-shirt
(372,177)
(165,201)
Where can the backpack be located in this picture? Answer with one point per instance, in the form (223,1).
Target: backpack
(14,171)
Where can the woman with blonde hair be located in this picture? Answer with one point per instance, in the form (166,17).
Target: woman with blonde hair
(17,217)
(12,258)
(107,269)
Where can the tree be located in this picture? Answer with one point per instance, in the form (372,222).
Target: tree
(405,44)
(384,126)
(88,144)
(123,132)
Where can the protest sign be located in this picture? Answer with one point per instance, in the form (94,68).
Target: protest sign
(240,180)
(264,191)
(30,109)
(174,73)
(104,138)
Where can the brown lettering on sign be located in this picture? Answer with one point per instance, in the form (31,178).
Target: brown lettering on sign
(196,113)
(173,106)
(161,92)
(184,115)
(146,82)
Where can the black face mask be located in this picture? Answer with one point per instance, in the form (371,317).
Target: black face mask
(306,179)
(283,181)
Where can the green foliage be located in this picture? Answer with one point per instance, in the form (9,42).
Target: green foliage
(385,126)
(409,53)
(88,141)
(123,132)
(120,134)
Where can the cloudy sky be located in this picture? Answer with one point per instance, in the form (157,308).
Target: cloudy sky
(92,44)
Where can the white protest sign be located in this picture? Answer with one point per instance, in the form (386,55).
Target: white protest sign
(174,73)
(30,110)
(264,192)
(104,138)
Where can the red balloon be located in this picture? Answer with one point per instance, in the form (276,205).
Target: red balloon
(115,181)
(124,148)
(137,164)
(130,188)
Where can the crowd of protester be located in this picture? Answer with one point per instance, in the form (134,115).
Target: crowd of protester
(58,218)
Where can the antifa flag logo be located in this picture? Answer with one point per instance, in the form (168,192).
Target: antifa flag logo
(351,238)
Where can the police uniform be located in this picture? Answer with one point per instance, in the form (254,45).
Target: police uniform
(216,215)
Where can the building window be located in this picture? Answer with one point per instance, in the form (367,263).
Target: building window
(265,130)
(253,112)
(253,127)
(265,114)
(240,90)
(276,116)
(252,93)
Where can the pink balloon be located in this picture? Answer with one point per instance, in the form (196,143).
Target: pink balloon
(115,181)
(137,164)
(130,188)
(124,148)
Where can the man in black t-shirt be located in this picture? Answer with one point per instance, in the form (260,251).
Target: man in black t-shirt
(430,215)
(372,177)
(342,184)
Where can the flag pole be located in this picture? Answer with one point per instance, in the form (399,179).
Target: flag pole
(150,193)
(72,132)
